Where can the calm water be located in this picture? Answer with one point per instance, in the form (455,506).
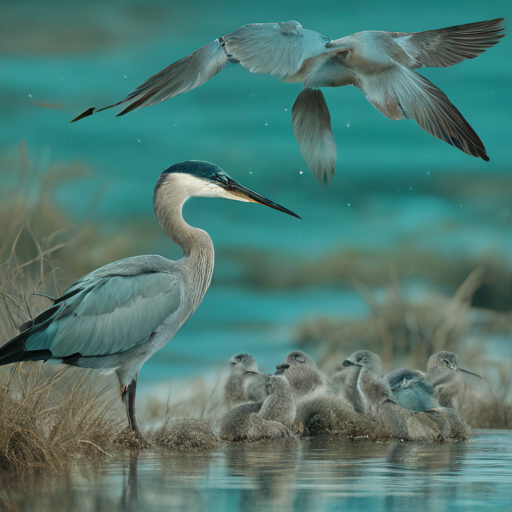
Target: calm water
(322,474)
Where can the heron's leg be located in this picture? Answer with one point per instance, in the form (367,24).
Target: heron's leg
(128,396)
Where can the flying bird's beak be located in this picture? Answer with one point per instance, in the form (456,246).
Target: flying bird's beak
(471,373)
(245,194)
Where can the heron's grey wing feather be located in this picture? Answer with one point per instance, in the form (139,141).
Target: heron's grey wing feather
(312,127)
(401,90)
(110,314)
(275,48)
(182,76)
(449,46)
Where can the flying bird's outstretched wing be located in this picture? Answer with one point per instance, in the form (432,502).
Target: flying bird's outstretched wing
(312,127)
(449,46)
(274,48)
(402,93)
(182,76)
(106,312)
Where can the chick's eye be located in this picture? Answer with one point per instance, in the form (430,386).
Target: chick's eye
(299,358)
(232,363)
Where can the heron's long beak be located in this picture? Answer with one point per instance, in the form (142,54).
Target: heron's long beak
(471,373)
(238,190)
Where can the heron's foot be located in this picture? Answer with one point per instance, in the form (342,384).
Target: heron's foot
(133,439)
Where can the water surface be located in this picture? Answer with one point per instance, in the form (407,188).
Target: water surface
(321,474)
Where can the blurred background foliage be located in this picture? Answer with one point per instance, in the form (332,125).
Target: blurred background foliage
(409,250)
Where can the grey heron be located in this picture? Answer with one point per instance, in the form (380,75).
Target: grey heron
(443,373)
(118,316)
(381,64)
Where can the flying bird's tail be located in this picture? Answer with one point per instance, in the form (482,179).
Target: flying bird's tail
(182,76)
(312,127)
(403,94)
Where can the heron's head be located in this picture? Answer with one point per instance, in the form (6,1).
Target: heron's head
(194,178)
(243,362)
(441,361)
(365,359)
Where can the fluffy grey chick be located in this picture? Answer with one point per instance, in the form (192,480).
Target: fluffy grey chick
(245,382)
(258,421)
(371,396)
(317,407)
(443,372)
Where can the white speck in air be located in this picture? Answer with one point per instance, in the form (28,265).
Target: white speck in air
(250,172)
(125,76)
(30,95)
(348,126)
(428,172)
(266,124)
(138,140)
(349,204)
(300,172)
(286,110)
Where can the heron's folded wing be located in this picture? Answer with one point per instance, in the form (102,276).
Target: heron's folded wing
(402,93)
(275,48)
(112,314)
(182,76)
(448,46)
(312,128)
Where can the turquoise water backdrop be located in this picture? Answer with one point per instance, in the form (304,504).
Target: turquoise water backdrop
(386,189)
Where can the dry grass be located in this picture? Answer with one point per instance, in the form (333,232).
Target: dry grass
(50,415)
(33,224)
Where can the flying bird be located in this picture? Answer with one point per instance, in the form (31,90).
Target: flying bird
(118,316)
(381,64)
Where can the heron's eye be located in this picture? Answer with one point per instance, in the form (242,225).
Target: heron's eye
(299,358)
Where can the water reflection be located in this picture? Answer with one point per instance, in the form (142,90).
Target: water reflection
(319,474)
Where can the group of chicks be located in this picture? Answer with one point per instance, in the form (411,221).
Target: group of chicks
(357,400)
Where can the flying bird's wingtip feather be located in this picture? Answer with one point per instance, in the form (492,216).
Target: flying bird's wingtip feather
(87,113)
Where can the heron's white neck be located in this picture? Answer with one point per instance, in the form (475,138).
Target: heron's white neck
(197,245)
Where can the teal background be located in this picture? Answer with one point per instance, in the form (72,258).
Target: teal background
(395,185)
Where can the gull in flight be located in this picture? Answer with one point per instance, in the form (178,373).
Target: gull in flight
(381,64)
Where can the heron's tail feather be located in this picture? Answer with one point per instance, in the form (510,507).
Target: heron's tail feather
(182,76)
(312,127)
(405,94)
(14,351)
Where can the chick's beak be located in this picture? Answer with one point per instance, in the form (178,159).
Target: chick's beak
(348,362)
(244,193)
(280,368)
(471,373)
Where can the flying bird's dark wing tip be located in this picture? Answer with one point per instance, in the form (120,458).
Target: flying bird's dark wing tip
(87,113)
